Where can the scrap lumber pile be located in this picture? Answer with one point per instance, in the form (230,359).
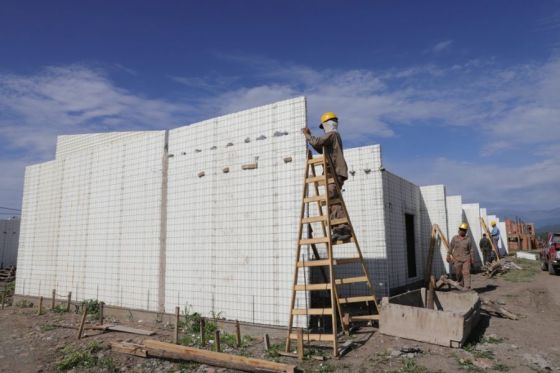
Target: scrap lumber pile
(8,274)
(499,267)
(153,348)
(493,308)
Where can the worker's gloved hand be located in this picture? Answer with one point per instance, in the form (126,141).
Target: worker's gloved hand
(305,131)
(448,259)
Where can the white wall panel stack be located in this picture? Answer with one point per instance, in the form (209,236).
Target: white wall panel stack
(503,236)
(68,144)
(9,239)
(91,223)
(363,195)
(402,197)
(471,216)
(454,219)
(434,207)
(231,235)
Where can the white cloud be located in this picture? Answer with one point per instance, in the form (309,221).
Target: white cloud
(442,45)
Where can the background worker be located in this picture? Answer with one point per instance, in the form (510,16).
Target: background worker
(332,143)
(486,247)
(495,234)
(462,256)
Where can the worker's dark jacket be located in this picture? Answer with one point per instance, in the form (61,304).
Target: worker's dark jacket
(333,143)
(461,248)
(485,244)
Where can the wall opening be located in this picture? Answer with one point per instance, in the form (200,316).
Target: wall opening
(410,245)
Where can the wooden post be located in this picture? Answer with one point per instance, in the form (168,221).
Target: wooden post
(40,312)
(176,334)
(53,299)
(266,342)
(217,340)
(3,296)
(430,293)
(101,312)
(300,344)
(69,301)
(82,322)
(238,333)
(202,332)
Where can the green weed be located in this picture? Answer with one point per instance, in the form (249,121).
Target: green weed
(85,357)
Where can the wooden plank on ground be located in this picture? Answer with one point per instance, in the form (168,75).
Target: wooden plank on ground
(163,349)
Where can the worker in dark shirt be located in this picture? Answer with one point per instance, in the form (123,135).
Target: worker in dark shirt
(332,143)
(486,248)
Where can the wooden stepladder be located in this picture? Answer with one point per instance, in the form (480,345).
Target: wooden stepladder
(315,195)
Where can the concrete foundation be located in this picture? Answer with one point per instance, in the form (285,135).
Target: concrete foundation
(449,324)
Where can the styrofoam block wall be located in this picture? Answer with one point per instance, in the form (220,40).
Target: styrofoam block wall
(471,216)
(434,211)
(454,219)
(91,221)
(402,197)
(231,237)
(69,144)
(363,195)
(503,236)
(9,239)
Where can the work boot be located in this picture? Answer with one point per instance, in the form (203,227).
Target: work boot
(336,236)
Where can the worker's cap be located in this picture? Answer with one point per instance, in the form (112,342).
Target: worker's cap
(329,115)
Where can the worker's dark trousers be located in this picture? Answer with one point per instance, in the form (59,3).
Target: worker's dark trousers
(336,211)
(463,272)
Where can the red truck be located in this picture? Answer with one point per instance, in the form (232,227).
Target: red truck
(550,254)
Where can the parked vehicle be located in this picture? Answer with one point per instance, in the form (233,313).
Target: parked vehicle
(550,254)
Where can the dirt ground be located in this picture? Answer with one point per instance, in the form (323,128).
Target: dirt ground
(47,343)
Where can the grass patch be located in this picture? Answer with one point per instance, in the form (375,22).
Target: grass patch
(491,339)
(467,364)
(274,348)
(24,303)
(501,367)
(479,354)
(410,366)
(323,368)
(93,307)
(59,308)
(85,357)
(529,271)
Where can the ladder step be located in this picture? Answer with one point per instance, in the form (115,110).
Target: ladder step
(351,280)
(313,263)
(314,337)
(335,201)
(314,219)
(316,160)
(309,241)
(319,179)
(310,287)
(315,199)
(325,262)
(368,298)
(339,221)
(364,317)
(351,239)
(312,311)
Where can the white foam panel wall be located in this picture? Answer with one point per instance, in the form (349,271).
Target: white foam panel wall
(363,195)
(454,219)
(434,207)
(9,238)
(70,144)
(402,197)
(231,237)
(503,236)
(471,216)
(92,220)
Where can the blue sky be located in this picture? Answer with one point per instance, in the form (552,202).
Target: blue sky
(461,93)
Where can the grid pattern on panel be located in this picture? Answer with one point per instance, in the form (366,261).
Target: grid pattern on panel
(503,237)
(471,215)
(91,223)
(68,144)
(363,195)
(402,197)
(435,207)
(234,194)
(9,237)
(454,218)
(39,227)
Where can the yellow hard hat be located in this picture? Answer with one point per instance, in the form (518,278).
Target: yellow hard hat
(493,222)
(464,226)
(328,116)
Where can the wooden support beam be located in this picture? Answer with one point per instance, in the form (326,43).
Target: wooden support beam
(217,341)
(430,293)
(202,331)
(237,333)
(69,301)
(40,310)
(176,331)
(82,322)
(53,298)
(168,350)
(266,340)
(101,312)
(300,344)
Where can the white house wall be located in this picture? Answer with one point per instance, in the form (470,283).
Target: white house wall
(231,236)
(454,219)
(471,215)
(434,211)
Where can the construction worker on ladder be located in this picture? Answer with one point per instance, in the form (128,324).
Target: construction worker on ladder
(332,143)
